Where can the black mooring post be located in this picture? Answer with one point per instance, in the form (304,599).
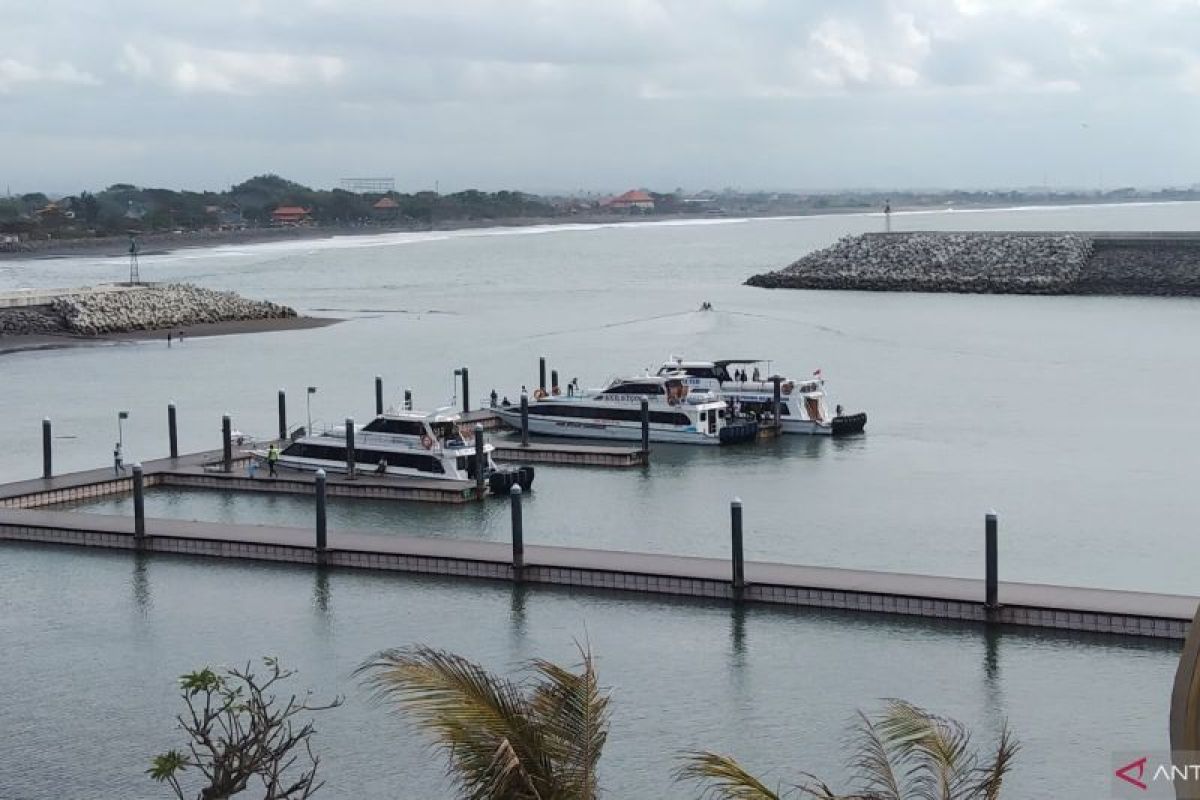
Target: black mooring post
(321,531)
(775,379)
(226,444)
(992,547)
(524,420)
(351,458)
(283,415)
(172,431)
(408,399)
(378,395)
(518,533)
(739,561)
(480,462)
(47,466)
(139,505)
(553,381)
(466,391)
(542,373)
(645,425)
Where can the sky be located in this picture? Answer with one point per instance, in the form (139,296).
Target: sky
(601,95)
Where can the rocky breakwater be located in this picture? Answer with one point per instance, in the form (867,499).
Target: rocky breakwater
(160,306)
(1017,263)
(123,309)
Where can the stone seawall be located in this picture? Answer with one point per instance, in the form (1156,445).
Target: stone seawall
(1000,263)
(151,307)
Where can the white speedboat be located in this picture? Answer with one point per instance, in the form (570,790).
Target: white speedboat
(678,414)
(803,404)
(402,443)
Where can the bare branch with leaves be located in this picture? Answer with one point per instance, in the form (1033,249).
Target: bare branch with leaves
(242,735)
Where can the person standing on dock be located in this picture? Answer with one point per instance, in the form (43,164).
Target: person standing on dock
(272,460)
(168,338)
(118,461)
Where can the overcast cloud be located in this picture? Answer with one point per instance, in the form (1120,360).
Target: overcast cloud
(601,94)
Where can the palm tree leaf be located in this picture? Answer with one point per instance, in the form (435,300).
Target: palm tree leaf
(876,760)
(482,722)
(571,711)
(724,777)
(990,777)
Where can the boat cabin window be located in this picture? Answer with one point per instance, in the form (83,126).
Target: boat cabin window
(406,427)
(366,458)
(445,430)
(635,388)
(618,414)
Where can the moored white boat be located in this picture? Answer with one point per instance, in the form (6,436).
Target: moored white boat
(803,403)
(402,443)
(677,413)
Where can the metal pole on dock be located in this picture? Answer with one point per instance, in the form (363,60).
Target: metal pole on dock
(226,444)
(645,425)
(321,531)
(553,381)
(139,505)
(518,533)
(283,415)
(351,459)
(542,373)
(480,461)
(524,419)
(775,379)
(992,555)
(466,391)
(172,431)
(378,394)
(408,399)
(739,561)
(47,466)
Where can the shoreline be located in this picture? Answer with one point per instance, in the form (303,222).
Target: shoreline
(22,343)
(162,243)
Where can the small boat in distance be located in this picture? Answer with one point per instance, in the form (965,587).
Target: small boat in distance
(803,404)
(678,414)
(403,443)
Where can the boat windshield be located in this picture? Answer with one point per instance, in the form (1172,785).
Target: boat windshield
(445,431)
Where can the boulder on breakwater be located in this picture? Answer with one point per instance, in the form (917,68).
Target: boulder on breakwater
(1000,263)
(135,308)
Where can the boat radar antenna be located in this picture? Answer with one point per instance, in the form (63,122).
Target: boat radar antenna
(134,277)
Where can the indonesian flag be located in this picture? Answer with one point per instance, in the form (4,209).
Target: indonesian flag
(816,373)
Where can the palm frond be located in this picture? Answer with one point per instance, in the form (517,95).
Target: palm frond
(571,711)
(482,722)
(875,761)
(724,777)
(990,778)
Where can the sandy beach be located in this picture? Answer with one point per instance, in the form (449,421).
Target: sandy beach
(18,344)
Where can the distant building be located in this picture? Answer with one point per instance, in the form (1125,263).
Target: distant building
(385,208)
(633,199)
(291,215)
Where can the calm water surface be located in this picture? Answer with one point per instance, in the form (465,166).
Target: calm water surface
(93,640)
(1073,417)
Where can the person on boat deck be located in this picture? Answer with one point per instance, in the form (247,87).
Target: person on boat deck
(118,462)
(382,466)
(505,402)
(756,374)
(252,468)
(272,460)
(494,398)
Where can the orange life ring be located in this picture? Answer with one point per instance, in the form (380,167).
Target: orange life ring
(426,442)
(539,394)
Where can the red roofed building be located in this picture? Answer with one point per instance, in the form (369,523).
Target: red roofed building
(291,215)
(635,198)
(385,208)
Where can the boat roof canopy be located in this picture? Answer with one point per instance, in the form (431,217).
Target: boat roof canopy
(445,414)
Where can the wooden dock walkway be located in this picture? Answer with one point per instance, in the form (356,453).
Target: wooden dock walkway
(568,454)
(1036,605)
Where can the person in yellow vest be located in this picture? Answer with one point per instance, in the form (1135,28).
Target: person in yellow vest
(272,460)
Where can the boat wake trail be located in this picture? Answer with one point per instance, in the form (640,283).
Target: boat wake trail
(608,325)
(386,311)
